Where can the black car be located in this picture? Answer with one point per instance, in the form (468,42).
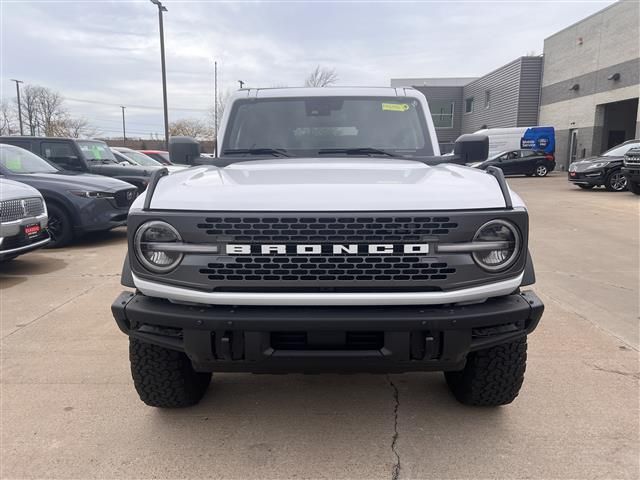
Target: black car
(604,169)
(87,156)
(631,170)
(521,162)
(77,202)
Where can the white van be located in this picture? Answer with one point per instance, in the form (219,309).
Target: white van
(517,138)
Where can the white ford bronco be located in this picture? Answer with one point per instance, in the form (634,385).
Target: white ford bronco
(328,235)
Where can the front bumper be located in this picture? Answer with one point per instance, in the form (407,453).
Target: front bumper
(101,214)
(13,240)
(589,177)
(271,339)
(632,173)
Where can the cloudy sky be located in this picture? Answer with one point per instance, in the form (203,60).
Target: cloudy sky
(102,54)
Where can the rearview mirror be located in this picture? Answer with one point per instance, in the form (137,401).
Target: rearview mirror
(183,150)
(471,148)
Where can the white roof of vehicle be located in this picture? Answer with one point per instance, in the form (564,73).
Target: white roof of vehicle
(326,92)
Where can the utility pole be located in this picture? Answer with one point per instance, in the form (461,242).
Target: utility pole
(18,82)
(162,8)
(241,83)
(124,130)
(215,96)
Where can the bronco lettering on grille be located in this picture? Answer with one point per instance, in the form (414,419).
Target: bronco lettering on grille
(334,249)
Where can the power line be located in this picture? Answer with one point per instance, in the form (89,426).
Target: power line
(142,107)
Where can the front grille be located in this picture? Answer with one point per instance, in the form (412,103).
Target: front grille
(327,229)
(124,198)
(12,210)
(327,268)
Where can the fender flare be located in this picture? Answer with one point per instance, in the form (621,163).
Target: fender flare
(126,278)
(529,272)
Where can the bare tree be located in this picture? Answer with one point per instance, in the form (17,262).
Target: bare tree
(29,101)
(321,77)
(50,112)
(8,124)
(189,127)
(73,127)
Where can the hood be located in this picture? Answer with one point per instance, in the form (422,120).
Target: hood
(327,185)
(82,181)
(10,190)
(118,169)
(599,158)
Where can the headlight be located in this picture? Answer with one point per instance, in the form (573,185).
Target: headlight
(90,194)
(505,236)
(593,166)
(149,241)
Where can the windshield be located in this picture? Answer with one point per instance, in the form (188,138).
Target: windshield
(96,151)
(18,160)
(140,158)
(493,157)
(620,150)
(306,126)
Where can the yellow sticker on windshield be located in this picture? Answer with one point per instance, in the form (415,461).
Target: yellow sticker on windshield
(395,107)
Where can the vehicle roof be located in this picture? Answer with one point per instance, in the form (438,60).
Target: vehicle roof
(326,92)
(153,151)
(36,137)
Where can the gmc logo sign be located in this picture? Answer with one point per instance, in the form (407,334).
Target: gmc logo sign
(333,249)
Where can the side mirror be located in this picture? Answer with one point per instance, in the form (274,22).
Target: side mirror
(471,148)
(183,150)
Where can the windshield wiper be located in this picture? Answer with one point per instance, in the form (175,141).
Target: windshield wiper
(276,152)
(358,151)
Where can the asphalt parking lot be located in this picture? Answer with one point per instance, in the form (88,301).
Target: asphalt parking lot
(69,409)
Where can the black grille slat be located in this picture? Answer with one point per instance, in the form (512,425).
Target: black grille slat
(326,267)
(259,267)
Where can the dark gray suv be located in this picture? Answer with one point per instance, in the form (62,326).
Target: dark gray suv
(77,202)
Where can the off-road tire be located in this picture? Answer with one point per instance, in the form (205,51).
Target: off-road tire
(165,378)
(586,187)
(634,187)
(491,377)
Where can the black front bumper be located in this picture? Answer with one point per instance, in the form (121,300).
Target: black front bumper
(592,177)
(321,339)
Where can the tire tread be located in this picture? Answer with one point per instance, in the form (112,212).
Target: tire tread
(165,378)
(492,376)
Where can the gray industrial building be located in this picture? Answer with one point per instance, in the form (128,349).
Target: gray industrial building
(591,82)
(506,97)
(586,85)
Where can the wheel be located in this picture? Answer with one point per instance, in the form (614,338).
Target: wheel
(541,171)
(586,187)
(616,181)
(634,187)
(165,378)
(59,227)
(492,376)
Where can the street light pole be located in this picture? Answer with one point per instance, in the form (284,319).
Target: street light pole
(124,130)
(18,82)
(162,8)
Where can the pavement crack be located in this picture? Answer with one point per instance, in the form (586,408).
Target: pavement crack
(25,325)
(395,472)
(617,372)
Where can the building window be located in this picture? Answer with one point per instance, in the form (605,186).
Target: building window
(487,98)
(442,113)
(468,105)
